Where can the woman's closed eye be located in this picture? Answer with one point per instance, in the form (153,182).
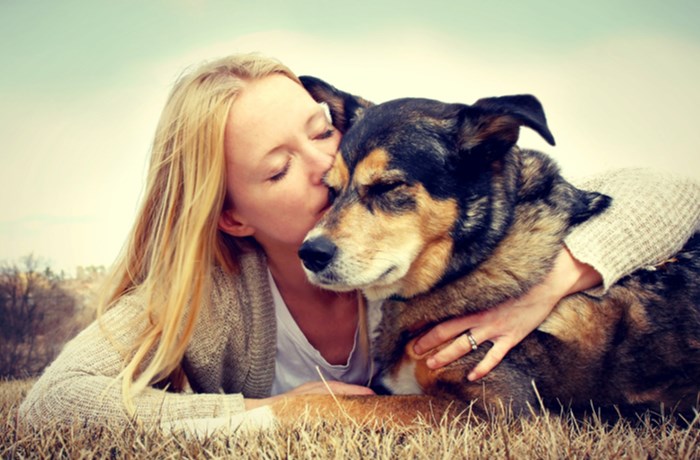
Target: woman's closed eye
(325,134)
(279,175)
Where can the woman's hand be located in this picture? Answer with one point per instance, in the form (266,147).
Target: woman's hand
(309,388)
(510,322)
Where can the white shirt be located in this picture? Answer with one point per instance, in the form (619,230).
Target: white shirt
(296,360)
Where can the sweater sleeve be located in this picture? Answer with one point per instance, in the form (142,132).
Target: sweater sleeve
(81,385)
(651,217)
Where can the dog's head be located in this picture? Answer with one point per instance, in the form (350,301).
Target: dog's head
(413,182)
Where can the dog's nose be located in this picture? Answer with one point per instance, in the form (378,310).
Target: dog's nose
(317,253)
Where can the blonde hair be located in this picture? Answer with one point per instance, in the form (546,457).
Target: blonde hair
(175,241)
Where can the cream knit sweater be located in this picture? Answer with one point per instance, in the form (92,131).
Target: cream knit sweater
(232,351)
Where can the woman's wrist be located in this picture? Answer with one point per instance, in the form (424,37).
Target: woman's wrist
(574,275)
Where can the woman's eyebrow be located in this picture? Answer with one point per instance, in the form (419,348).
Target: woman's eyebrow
(319,112)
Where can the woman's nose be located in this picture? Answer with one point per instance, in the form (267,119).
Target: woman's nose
(319,163)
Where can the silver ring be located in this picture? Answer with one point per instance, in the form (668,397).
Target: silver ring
(472,341)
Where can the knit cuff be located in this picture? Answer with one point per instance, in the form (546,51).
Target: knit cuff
(651,217)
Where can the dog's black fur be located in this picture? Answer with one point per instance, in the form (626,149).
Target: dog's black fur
(635,348)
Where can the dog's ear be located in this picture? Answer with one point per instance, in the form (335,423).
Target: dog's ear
(492,125)
(345,108)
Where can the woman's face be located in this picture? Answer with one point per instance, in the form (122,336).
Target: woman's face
(278,145)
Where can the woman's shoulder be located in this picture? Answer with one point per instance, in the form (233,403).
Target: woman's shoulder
(238,316)
(250,272)
(246,288)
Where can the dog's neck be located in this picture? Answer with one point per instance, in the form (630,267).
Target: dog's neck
(508,273)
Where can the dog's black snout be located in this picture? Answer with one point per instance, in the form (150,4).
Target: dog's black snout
(317,253)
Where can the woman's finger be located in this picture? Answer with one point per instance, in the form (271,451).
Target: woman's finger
(442,333)
(494,356)
(459,347)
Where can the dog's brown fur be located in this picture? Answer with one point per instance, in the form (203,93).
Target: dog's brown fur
(438,210)
(370,411)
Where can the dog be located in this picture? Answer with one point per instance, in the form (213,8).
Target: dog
(437,211)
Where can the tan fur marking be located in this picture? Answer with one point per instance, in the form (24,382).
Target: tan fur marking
(370,168)
(638,316)
(338,176)
(577,321)
(435,218)
(425,376)
(578,318)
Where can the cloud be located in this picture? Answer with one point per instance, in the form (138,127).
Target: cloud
(618,101)
(73,172)
(80,158)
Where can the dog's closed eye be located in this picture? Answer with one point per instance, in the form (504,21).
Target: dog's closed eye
(381,188)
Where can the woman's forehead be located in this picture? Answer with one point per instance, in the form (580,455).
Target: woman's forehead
(265,114)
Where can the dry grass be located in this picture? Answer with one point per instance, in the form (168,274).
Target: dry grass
(546,436)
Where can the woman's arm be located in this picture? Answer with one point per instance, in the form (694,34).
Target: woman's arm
(81,383)
(653,214)
(651,217)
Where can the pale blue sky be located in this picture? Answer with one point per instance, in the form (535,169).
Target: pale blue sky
(82,84)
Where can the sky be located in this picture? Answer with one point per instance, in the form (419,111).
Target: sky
(82,85)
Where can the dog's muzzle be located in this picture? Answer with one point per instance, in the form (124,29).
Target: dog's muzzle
(316,253)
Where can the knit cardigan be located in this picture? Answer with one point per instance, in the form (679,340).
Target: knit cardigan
(231,354)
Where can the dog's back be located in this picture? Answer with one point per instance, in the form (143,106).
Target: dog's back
(635,348)
(640,339)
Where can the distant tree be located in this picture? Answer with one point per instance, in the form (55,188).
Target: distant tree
(90,272)
(35,317)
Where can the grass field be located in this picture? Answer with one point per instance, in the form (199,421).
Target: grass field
(546,436)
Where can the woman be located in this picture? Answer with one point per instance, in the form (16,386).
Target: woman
(209,290)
